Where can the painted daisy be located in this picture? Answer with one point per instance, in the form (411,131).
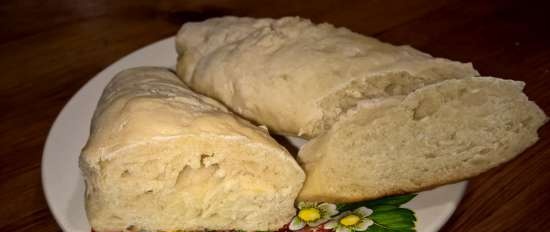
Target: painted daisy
(351,221)
(312,214)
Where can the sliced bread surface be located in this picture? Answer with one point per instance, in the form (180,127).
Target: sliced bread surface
(438,134)
(161,157)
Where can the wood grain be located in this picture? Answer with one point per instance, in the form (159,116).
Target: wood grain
(49,49)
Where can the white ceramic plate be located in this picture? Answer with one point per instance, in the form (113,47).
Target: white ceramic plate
(63,184)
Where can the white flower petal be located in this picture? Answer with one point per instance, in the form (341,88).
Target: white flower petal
(343,214)
(311,204)
(323,220)
(342,229)
(369,222)
(296,224)
(363,225)
(317,222)
(331,224)
(329,209)
(363,212)
(314,223)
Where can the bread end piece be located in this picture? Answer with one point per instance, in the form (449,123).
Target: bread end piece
(161,157)
(438,134)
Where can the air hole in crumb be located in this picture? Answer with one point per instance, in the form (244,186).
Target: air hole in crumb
(284,77)
(462,91)
(509,125)
(204,157)
(425,108)
(526,121)
(485,151)
(478,161)
(125,173)
(430,155)
(393,89)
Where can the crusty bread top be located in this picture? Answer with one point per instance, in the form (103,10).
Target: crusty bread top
(297,77)
(183,112)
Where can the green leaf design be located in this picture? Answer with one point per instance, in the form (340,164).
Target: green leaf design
(388,216)
(382,208)
(391,200)
(396,201)
(399,219)
(379,228)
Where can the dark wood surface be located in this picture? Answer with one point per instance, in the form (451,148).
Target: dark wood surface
(49,49)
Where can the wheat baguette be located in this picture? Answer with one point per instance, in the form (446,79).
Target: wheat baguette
(297,77)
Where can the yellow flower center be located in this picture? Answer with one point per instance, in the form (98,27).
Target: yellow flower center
(309,214)
(350,220)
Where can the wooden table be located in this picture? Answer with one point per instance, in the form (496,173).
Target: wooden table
(49,49)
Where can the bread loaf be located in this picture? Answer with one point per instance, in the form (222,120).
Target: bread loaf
(438,134)
(161,157)
(297,77)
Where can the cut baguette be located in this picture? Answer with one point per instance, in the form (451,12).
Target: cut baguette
(297,77)
(161,157)
(439,134)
